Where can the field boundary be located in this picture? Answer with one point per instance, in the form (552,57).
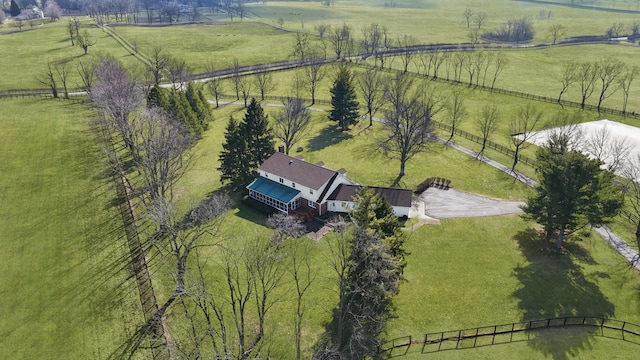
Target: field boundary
(505,334)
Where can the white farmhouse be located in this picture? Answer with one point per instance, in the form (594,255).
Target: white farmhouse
(292,185)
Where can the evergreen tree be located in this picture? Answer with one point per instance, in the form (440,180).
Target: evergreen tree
(573,191)
(374,212)
(158,97)
(199,105)
(14,10)
(234,166)
(258,135)
(370,280)
(181,109)
(343,99)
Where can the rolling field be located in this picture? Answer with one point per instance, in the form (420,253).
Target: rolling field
(63,294)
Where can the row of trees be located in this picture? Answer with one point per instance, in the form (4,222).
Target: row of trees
(607,75)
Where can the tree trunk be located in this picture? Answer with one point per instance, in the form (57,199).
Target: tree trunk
(560,238)
(515,158)
(638,234)
(401,168)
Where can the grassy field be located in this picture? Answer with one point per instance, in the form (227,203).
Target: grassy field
(63,296)
(220,44)
(31,50)
(62,293)
(436,21)
(497,270)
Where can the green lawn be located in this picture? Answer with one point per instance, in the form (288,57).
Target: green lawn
(62,293)
(31,50)
(467,273)
(219,44)
(436,21)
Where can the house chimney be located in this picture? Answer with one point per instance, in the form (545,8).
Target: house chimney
(281,148)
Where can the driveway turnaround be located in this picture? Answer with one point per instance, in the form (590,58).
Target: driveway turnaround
(450,203)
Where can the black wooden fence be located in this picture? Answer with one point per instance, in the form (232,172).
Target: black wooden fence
(490,144)
(504,334)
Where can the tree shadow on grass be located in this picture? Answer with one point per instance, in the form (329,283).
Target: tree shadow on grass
(554,285)
(328,136)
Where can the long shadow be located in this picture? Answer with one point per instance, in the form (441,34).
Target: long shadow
(554,285)
(329,136)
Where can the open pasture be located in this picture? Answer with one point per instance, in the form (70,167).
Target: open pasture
(63,296)
(218,44)
(25,54)
(436,21)
(63,293)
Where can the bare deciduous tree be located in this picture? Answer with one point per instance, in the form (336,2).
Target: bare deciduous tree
(322,30)
(48,78)
(158,61)
(569,76)
(406,42)
(456,110)
(178,72)
(215,83)
(371,85)
(85,41)
(479,19)
(522,128)
(301,46)
(586,75)
(408,123)
(625,81)
(116,97)
(487,124)
(264,82)
(63,74)
(474,37)
(291,123)
(235,78)
(87,75)
(612,151)
(341,40)
(557,31)
(608,72)
(313,74)
(467,15)
(245,85)
(72,34)
(632,193)
(499,63)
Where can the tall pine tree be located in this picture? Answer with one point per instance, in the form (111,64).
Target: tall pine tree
(259,136)
(199,105)
(179,107)
(343,99)
(14,9)
(234,164)
(158,97)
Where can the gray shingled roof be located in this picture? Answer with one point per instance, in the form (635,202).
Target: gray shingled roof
(297,170)
(395,196)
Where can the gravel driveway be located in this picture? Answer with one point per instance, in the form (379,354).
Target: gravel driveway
(450,203)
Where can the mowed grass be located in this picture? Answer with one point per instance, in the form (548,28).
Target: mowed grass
(25,54)
(437,21)
(468,273)
(219,45)
(63,293)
